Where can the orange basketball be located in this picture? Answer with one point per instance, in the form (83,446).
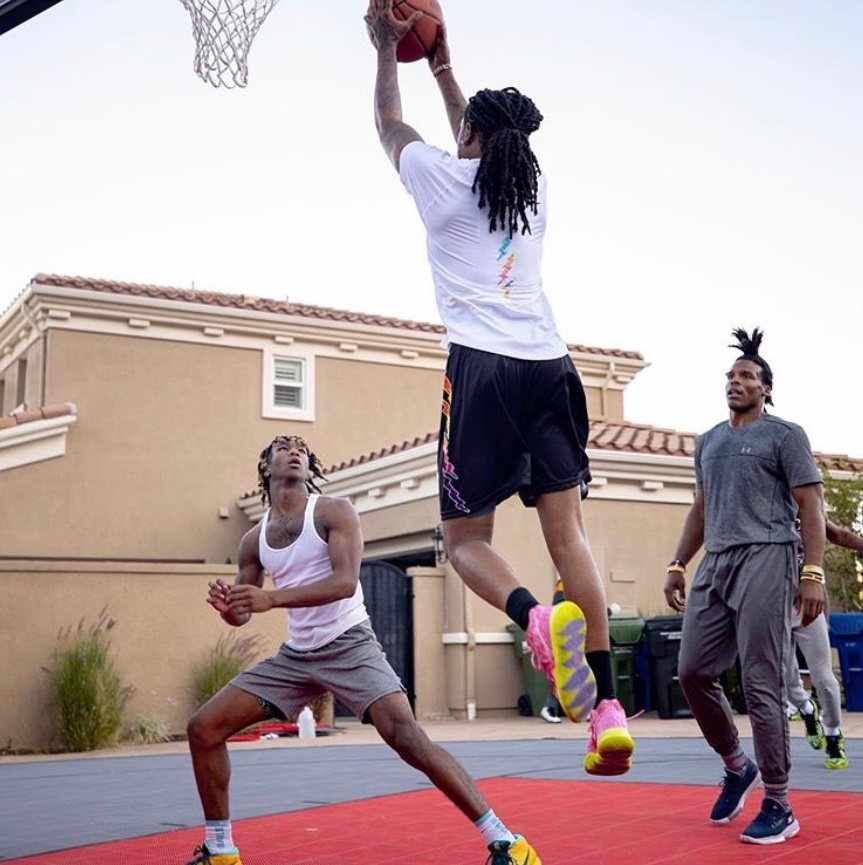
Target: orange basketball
(421,40)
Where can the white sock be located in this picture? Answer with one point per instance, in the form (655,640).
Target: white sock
(218,836)
(808,709)
(492,829)
(832,731)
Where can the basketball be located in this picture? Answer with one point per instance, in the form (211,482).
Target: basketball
(420,41)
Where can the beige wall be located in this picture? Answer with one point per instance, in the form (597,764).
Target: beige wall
(164,627)
(169,432)
(429,652)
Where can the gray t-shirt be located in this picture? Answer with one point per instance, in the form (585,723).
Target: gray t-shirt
(747,475)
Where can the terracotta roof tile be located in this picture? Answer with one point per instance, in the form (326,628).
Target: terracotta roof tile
(619,436)
(261,304)
(33,414)
(385,452)
(639,438)
(838,462)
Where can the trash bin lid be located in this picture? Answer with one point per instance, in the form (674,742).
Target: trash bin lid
(625,630)
(846,624)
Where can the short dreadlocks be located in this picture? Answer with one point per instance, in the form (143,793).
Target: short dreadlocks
(315,465)
(749,345)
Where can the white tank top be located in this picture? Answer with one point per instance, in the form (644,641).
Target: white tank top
(307,560)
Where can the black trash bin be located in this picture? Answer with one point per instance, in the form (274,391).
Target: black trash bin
(663,638)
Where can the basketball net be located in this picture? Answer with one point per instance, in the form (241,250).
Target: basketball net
(224,31)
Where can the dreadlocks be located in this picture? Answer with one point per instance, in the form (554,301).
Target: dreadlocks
(315,465)
(749,345)
(508,170)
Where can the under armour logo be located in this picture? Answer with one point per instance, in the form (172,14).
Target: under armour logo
(746,450)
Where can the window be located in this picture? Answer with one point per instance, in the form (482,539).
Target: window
(287,383)
(288,391)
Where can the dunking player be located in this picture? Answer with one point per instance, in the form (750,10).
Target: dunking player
(514,416)
(311,547)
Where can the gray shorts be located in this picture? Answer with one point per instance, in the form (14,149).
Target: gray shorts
(353,666)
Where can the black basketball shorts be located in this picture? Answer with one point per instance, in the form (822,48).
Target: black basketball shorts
(507,426)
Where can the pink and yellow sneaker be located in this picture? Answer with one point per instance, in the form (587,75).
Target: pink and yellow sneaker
(610,749)
(556,637)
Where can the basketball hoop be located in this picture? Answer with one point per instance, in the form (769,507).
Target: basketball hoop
(224,31)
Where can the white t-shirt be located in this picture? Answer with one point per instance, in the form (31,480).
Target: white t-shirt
(488,285)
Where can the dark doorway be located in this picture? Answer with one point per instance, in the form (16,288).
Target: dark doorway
(388,593)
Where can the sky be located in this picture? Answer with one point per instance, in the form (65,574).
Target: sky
(704,161)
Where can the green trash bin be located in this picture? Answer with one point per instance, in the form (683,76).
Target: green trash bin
(626,633)
(536,686)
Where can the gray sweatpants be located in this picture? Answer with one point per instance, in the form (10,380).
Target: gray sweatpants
(740,602)
(814,642)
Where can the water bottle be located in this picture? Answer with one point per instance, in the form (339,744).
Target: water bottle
(306,723)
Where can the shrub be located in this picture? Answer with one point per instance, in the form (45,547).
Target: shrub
(88,693)
(229,657)
(148,728)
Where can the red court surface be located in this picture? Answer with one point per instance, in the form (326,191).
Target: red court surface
(569,822)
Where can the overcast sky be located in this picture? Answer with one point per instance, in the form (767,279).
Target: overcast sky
(704,158)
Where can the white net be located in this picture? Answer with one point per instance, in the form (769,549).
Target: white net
(224,31)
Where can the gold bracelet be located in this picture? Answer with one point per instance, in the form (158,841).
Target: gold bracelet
(813,579)
(675,569)
(812,569)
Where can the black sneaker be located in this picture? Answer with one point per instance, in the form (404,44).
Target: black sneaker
(837,758)
(774,824)
(735,789)
(814,730)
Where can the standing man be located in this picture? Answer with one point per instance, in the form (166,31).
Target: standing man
(823,722)
(753,475)
(514,416)
(311,547)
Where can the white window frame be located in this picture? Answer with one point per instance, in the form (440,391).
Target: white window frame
(269,409)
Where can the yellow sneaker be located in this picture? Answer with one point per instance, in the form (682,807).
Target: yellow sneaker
(517,853)
(202,856)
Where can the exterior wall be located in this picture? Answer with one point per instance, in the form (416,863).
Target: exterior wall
(632,543)
(169,433)
(429,651)
(164,627)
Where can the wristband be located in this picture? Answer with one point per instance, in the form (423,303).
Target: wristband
(677,565)
(675,569)
(812,569)
(439,69)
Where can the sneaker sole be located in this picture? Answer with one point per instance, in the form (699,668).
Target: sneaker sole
(842,765)
(788,832)
(573,678)
(613,755)
(756,783)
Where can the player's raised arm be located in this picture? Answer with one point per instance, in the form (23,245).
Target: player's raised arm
(385,33)
(440,64)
